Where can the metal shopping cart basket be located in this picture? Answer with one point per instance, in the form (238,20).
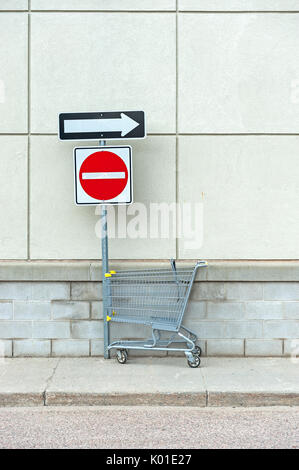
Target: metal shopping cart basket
(156,298)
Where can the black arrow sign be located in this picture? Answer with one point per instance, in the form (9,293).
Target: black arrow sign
(102,125)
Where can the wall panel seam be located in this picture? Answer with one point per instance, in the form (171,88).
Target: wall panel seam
(172,12)
(29,126)
(193,134)
(176,130)
(240,12)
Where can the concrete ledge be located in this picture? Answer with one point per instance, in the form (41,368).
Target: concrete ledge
(44,271)
(252,399)
(91,270)
(126,399)
(200,399)
(253,271)
(22,399)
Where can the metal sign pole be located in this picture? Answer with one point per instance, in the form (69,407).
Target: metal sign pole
(105,268)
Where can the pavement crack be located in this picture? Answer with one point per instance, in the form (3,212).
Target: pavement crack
(48,381)
(205,386)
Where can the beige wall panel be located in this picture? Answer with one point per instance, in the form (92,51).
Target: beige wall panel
(13,5)
(238,5)
(238,73)
(127,5)
(103,61)
(62,230)
(249,188)
(13,197)
(13,73)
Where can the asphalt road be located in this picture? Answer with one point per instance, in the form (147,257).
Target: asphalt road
(149,427)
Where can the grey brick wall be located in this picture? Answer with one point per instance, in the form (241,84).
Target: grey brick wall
(232,318)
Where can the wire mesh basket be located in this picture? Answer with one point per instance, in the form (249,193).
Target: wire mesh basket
(156,298)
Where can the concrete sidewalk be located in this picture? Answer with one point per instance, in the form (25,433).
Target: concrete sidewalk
(149,381)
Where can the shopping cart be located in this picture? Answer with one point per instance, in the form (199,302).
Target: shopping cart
(157,298)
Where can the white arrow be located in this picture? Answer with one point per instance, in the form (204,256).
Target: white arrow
(124,124)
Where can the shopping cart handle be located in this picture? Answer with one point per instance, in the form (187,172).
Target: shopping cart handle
(202,264)
(172,262)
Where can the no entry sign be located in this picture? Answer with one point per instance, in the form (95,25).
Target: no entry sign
(103,175)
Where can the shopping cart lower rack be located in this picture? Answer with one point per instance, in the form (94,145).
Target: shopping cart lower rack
(157,298)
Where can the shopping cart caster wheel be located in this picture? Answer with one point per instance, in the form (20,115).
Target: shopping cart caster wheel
(195,362)
(198,350)
(122,356)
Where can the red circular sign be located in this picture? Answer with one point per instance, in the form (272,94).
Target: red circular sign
(103,175)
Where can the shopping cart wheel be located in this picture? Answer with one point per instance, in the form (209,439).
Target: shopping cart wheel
(195,362)
(122,356)
(198,350)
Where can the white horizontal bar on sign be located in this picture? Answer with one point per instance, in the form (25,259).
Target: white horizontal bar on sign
(104,175)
